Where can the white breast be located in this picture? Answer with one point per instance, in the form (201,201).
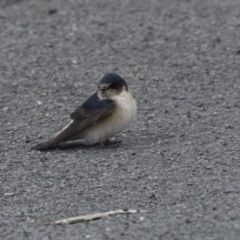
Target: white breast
(116,122)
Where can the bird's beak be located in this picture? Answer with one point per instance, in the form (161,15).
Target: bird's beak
(103,86)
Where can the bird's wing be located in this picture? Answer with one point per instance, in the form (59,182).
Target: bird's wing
(92,111)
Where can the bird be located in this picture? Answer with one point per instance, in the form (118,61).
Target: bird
(104,114)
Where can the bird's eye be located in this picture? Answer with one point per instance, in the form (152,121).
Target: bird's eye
(114,85)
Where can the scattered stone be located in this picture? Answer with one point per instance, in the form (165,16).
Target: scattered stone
(52,11)
(154,78)
(27,140)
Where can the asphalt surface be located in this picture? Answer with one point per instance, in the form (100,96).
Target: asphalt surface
(179,160)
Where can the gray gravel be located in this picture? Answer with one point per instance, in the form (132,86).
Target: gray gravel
(179,161)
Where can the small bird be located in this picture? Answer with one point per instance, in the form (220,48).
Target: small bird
(106,113)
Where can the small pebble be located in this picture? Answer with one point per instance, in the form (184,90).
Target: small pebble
(52,11)
(27,140)
(154,78)
(227,126)
(43,158)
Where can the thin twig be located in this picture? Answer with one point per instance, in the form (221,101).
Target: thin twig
(90,217)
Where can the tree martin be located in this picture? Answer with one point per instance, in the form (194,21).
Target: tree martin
(106,113)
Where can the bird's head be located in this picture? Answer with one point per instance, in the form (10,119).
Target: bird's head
(112,84)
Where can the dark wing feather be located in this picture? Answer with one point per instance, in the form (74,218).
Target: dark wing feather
(93,110)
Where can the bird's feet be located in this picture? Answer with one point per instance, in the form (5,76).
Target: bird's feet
(108,142)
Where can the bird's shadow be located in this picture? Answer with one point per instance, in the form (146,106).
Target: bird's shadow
(79,145)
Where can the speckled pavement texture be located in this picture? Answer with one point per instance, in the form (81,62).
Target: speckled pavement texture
(180,160)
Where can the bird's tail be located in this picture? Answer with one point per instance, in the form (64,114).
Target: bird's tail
(44,146)
(64,135)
